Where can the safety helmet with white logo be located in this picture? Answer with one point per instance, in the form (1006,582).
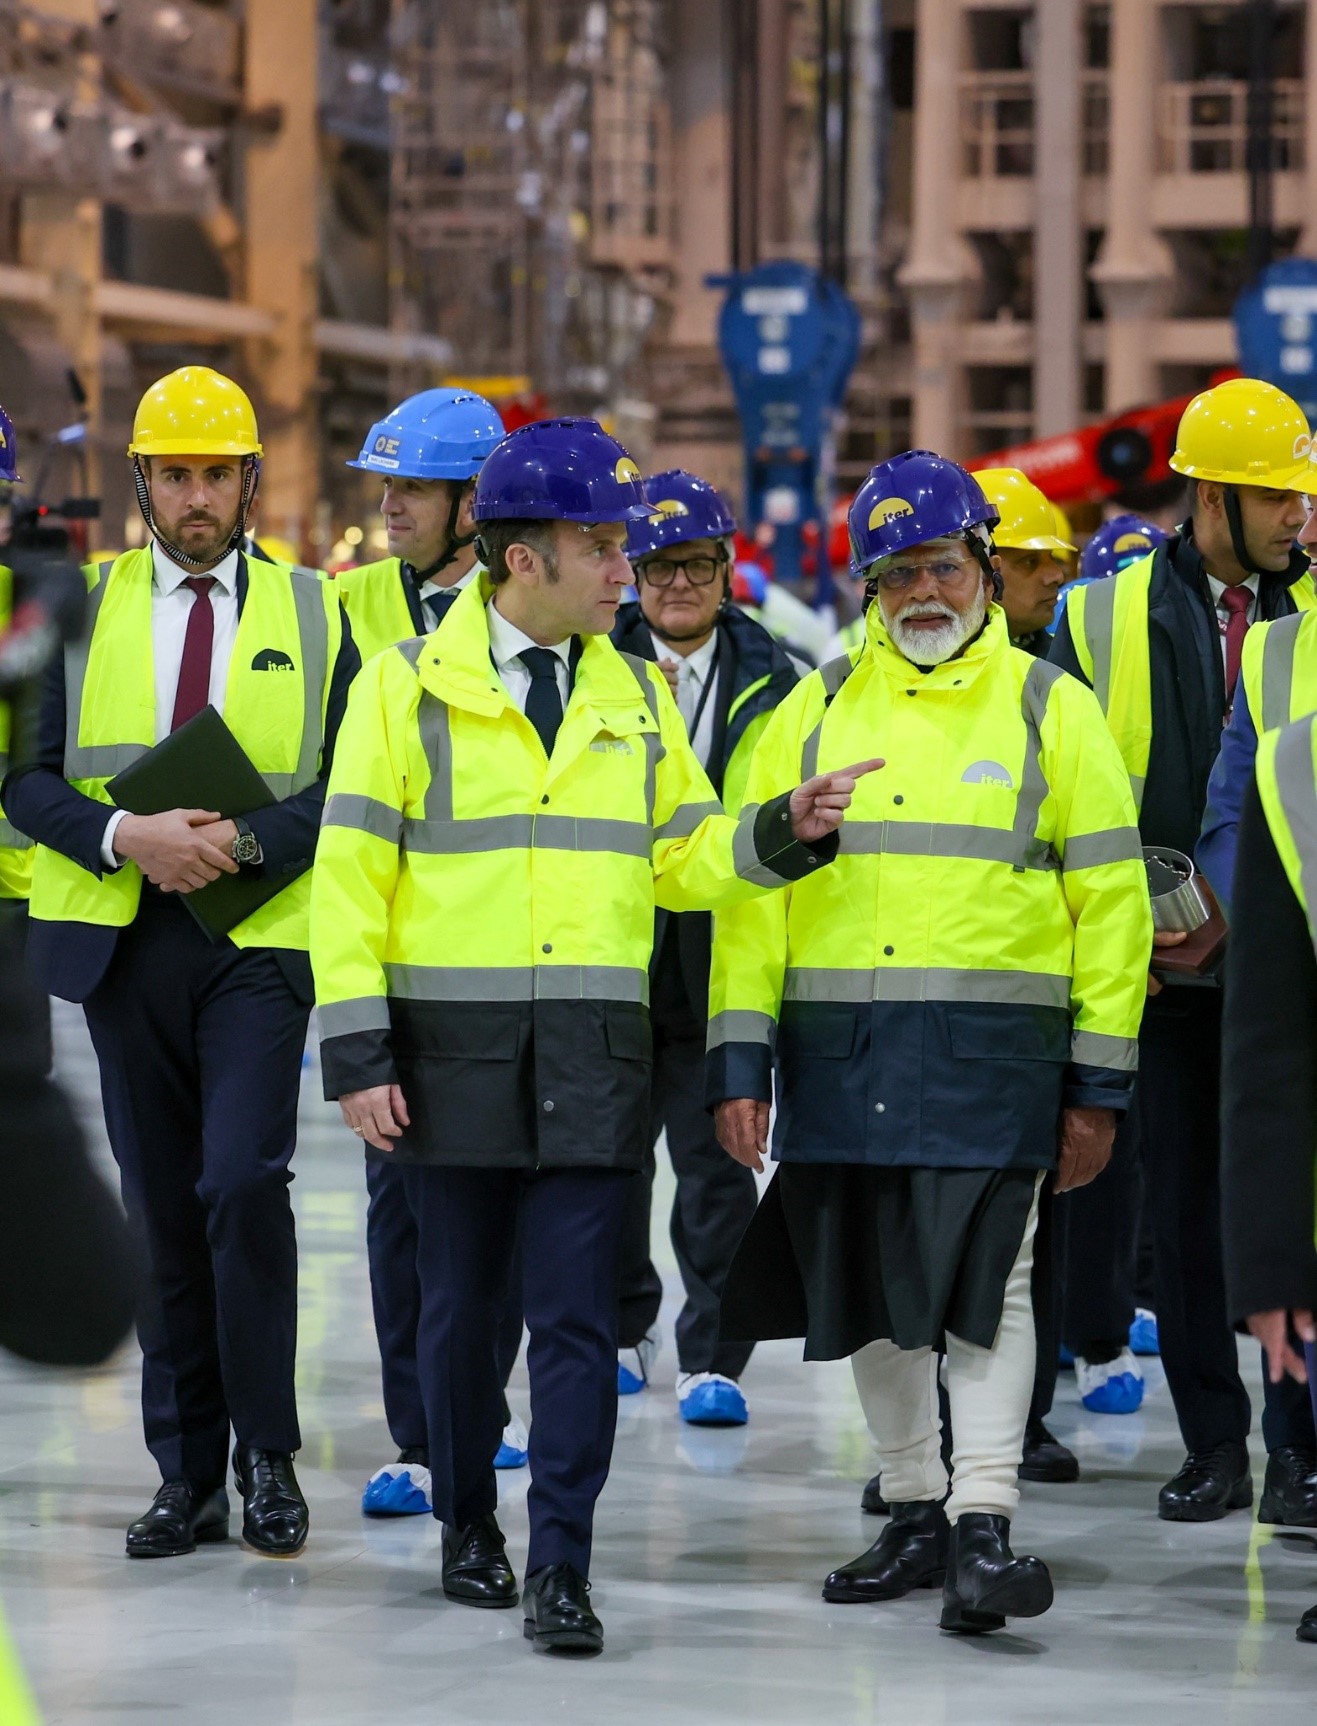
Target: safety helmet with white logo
(685,507)
(1118,543)
(437,434)
(914,498)
(560,470)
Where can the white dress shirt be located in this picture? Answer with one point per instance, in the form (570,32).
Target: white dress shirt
(430,589)
(694,671)
(171,603)
(1223,616)
(507,643)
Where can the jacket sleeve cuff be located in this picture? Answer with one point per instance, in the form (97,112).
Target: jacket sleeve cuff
(767,853)
(1097,1088)
(356,1061)
(738,1070)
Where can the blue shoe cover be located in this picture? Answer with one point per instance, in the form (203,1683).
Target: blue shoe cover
(1065,1356)
(1143,1333)
(627,1382)
(1121,1394)
(508,1456)
(718,1403)
(400,1489)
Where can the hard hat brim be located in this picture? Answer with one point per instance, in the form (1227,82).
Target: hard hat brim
(1301,477)
(1035,542)
(194,446)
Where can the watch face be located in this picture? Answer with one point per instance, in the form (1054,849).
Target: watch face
(246,848)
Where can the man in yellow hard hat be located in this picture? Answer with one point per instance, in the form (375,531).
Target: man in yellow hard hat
(1161,643)
(199,1041)
(1032,553)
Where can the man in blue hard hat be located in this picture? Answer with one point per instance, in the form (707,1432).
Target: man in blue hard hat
(728,674)
(428,451)
(515,799)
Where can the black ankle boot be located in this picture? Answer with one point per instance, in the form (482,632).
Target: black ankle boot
(910,1553)
(986,1584)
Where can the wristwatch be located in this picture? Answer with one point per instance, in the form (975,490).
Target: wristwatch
(246,846)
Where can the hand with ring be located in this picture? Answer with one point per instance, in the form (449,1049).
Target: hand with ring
(377,1115)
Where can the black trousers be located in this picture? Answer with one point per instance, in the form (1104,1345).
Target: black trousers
(468,1224)
(200,1051)
(1098,1230)
(715,1199)
(395,1295)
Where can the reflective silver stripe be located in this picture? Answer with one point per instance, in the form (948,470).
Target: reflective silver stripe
(1039,683)
(11,839)
(745,858)
(437,745)
(526,832)
(345,1018)
(1137,780)
(1278,646)
(313,636)
(517,983)
(833,673)
(364,815)
(1099,632)
(897,983)
(740,1025)
(101,760)
(809,755)
(1298,798)
(412,650)
(1112,845)
(685,820)
(1096,1049)
(940,839)
(655,749)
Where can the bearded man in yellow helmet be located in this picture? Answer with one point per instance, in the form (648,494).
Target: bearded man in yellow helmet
(199,1042)
(1161,644)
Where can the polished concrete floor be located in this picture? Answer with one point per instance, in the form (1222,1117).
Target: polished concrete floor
(709,1553)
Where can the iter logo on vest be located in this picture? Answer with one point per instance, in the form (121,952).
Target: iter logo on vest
(988,773)
(272,659)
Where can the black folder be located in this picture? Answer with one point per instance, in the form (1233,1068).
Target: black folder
(203,766)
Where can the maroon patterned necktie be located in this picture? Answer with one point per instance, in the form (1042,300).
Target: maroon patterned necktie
(1236,601)
(194,669)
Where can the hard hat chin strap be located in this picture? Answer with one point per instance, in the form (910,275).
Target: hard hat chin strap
(251,478)
(1236,522)
(980,543)
(454,542)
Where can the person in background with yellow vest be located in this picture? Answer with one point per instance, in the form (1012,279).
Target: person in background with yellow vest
(1269,1115)
(511,798)
(1160,643)
(428,452)
(951,1010)
(199,1042)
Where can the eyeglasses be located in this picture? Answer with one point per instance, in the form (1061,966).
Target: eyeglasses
(944,570)
(662,571)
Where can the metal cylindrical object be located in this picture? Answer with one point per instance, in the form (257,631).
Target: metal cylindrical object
(1177,904)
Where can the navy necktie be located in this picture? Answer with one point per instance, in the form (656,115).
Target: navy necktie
(543,699)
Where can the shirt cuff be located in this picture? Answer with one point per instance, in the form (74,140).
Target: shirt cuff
(109,856)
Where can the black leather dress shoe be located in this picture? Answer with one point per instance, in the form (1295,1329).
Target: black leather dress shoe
(872,1502)
(558,1615)
(1307,1631)
(986,1583)
(1045,1458)
(910,1553)
(274,1513)
(1209,1485)
(1289,1493)
(476,1569)
(182,1517)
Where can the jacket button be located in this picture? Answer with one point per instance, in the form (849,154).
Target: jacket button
(548,1105)
(547,947)
(880,1108)
(889,951)
(898,799)
(545,798)
(912,691)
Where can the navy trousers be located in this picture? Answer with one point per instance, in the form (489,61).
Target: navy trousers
(200,1051)
(395,1296)
(468,1223)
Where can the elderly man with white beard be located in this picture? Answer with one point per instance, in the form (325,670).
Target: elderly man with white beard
(949,1011)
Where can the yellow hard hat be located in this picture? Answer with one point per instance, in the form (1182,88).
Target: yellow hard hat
(1246,432)
(1028,520)
(195,411)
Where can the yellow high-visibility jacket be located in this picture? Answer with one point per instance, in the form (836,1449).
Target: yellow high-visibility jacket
(16,849)
(471,898)
(977,955)
(381,606)
(1278,668)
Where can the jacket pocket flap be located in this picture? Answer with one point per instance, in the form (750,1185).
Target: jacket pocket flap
(628,1032)
(992,1033)
(816,1032)
(469,1033)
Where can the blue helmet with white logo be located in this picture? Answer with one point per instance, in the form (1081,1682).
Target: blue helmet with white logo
(686,507)
(560,470)
(913,498)
(438,434)
(1121,541)
(9,474)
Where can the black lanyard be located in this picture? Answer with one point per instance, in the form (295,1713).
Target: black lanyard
(705,693)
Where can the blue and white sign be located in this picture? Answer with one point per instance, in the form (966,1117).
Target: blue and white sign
(1276,327)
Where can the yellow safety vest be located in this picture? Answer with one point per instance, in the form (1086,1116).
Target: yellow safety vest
(1109,627)
(994,859)
(457,864)
(375,599)
(275,710)
(17,1704)
(1279,670)
(15,848)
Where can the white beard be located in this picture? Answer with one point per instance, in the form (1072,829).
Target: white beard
(933,646)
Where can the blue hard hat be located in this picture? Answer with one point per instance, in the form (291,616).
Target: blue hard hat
(687,507)
(914,497)
(560,470)
(9,474)
(438,434)
(1118,542)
